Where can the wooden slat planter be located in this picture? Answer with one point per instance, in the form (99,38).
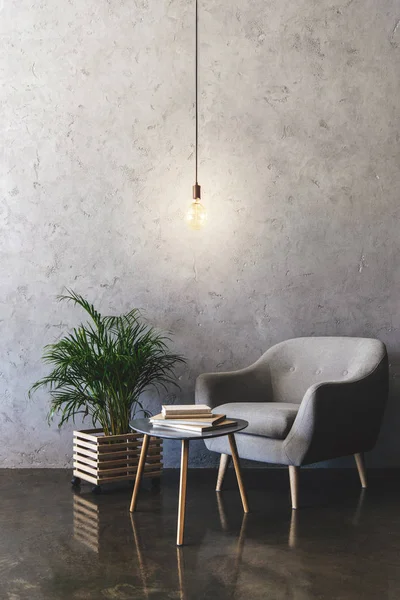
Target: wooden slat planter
(105,459)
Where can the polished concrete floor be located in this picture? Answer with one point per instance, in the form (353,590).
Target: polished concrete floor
(57,544)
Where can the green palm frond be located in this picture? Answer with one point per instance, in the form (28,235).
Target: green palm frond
(100,369)
(77,299)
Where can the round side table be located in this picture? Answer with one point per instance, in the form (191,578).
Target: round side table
(144,426)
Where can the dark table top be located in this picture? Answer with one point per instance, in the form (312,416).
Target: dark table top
(144,426)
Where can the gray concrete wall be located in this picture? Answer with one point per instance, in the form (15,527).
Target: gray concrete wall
(299,148)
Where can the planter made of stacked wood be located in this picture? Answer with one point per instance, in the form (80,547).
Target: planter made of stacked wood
(102,459)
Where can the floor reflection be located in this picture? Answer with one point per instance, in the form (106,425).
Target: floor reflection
(359,509)
(294,535)
(227,551)
(139,553)
(55,545)
(86,522)
(225,524)
(147,583)
(182,553)
(90,519)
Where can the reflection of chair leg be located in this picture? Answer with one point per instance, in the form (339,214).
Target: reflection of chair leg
(361,468)
(222,513)
(236,464)
(223,465)
(293,530)
(358,510)
(140,557)
(294,485)
(181,572)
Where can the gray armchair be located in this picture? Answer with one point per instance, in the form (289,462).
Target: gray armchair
(306,400)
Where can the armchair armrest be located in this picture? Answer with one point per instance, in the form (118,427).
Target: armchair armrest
(339,418)
(251,384)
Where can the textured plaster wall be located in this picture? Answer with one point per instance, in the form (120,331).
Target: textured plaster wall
(299,147)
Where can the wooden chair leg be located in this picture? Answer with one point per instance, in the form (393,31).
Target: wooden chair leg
(223,465)
(294,484)
(361,468)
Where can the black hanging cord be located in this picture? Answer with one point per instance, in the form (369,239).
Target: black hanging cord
(196,91)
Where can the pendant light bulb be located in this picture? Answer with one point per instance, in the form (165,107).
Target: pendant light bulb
(196,216)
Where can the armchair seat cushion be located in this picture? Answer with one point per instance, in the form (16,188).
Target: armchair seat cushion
(266,419)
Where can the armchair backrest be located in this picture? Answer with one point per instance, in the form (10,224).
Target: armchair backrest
(296,364)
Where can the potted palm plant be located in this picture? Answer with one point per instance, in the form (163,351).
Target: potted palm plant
(100,371)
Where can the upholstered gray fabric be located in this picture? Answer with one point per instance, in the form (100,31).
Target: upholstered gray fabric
(339,383)
(252,447)
(268,419)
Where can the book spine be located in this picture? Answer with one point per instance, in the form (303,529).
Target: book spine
(198,422)
(180,427)
(176,430)
(187,416)
(186,410)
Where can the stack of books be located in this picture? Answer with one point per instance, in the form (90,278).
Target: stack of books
(193,418)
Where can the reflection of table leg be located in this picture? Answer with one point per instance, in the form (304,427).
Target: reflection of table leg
(145,573)
(142,568)
(223,465)
(222,513)
(235,457)
(139,471)
(182,492)
(181,573)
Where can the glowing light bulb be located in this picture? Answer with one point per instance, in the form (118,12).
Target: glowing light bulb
(196,215)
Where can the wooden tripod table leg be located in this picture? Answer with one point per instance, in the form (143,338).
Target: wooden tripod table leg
(139,471)
(235,457)
(182,492)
